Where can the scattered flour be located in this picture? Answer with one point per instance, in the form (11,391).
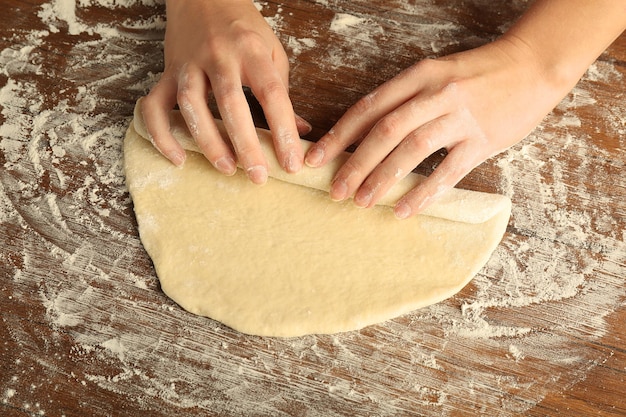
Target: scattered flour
(297,46)
(343,22)
(561,263)
(357,41)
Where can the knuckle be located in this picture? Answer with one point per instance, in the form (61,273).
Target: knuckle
(364,104)
(250,39)
(421,145)
(388,126)
(452,87)
(216,47)
(271,92)
(424,66)
(443,96)
(222,46)
(227,91)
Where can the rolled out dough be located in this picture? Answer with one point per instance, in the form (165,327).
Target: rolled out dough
(283,259)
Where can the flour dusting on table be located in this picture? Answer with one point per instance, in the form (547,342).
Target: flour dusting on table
(62,191)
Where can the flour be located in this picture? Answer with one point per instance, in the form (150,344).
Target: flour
(60,13)
(343,22)
(9,393)
(357,41)
(116,346)
(297,46)
(62,193)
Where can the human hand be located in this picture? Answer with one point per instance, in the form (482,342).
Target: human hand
(474,104)
(218,47)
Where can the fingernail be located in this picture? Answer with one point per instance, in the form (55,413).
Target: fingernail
(314,157)
(362,199)
(362,202)
(257,174)
(402,211)
(339,190)
(178,158)
(226,165)
(292,163)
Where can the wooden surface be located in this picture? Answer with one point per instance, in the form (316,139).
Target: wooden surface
(86,330)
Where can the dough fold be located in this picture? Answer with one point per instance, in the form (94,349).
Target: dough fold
(283,259)
(457,204)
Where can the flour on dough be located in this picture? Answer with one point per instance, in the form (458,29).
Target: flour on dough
(283,259)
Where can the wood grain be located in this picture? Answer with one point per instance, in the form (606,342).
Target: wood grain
(87,331)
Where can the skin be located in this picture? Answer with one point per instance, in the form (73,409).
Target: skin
(475,104)
(217,47)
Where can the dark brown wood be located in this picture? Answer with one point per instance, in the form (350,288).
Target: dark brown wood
(86,329)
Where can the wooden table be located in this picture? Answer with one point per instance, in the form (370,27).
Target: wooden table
(86,330)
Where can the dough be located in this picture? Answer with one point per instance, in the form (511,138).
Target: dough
(283,259)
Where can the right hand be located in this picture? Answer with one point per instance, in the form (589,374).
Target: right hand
(217,47)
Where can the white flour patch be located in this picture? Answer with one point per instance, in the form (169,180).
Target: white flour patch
(356,41)
(62,13)
(343,22)
(297,46)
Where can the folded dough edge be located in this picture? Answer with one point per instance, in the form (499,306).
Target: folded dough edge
(456,204)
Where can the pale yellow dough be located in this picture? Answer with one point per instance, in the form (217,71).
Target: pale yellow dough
(283,259)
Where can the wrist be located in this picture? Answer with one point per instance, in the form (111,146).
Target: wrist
(564,37)
(557,72)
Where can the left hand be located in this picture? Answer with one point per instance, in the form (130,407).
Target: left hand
(474,104)
(217,47)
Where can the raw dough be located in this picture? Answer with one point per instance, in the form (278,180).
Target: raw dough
(283,259)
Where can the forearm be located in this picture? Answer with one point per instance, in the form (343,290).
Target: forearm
(566,36)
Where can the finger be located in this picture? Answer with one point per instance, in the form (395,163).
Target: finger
(271,91)
(362,116)
(155,109)
(417,146)
(304,127)
(192,93)
(457,164)
(282,63)
(383,139)
(231,101)
(349,129)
